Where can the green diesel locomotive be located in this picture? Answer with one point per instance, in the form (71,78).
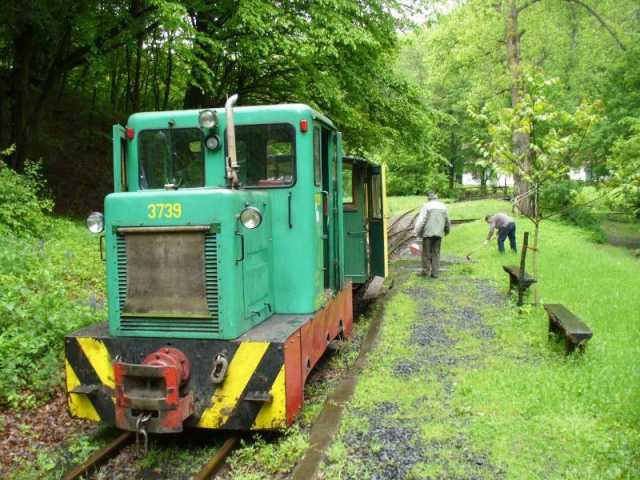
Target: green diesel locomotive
(233,241)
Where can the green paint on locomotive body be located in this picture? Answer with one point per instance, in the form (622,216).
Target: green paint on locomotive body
(282,269)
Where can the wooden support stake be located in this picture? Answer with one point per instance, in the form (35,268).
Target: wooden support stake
(523,258)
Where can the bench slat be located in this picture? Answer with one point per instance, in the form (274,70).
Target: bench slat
(515,271)
(571,324)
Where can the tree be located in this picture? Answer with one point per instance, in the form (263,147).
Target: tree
(624,164)
(478,52)
(76,67)
(521,141)
(46,44)
(556,138)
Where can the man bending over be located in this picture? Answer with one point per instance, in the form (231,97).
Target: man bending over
(506,228)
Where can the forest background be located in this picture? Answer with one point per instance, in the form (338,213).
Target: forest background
(421,86)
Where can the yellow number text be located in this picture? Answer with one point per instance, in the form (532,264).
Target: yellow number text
(156,211)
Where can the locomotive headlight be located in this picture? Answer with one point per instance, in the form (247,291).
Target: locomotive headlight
(251,218)
(207,119)
(212,142)
(95,222)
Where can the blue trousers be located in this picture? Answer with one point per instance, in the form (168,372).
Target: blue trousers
(503,233)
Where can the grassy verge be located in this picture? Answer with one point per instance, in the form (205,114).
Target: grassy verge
(50,287)
(510,405)
(477,209)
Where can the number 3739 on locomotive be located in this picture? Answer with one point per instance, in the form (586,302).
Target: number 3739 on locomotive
(233,242)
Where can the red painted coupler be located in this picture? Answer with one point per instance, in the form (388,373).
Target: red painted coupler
(153,388)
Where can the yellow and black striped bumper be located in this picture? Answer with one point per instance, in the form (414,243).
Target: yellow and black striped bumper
(252,396)
(265,376)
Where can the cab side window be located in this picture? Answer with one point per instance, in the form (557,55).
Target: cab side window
(266,155)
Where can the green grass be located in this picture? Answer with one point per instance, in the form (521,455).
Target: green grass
(532,411)
(621,227)
(457,210)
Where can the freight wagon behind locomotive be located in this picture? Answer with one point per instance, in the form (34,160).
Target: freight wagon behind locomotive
(231,254)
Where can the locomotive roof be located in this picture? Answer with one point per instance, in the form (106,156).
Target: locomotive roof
(296,109)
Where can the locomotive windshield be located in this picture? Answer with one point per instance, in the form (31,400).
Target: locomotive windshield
(266,155)
(171,156)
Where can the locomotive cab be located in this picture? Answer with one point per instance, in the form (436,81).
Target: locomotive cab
(225,256)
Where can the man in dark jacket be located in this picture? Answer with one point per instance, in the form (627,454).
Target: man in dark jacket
(431,225)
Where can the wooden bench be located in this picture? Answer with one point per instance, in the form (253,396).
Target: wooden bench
(575,331)
(514,277)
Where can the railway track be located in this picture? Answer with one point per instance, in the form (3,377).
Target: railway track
(400,232)
(113,448)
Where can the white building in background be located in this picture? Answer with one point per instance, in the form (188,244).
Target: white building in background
(507,180)
(503,180)
(580,175)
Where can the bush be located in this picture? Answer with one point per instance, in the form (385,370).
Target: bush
(625,168)
(402,182)
(573,204)
(52,283)
(49,288)
(24,204)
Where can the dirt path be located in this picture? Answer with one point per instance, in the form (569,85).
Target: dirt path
(405,421)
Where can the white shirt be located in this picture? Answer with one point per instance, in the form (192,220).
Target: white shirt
(422,216)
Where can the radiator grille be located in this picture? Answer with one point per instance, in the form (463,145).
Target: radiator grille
(121,259)
(206,325)
(211,274)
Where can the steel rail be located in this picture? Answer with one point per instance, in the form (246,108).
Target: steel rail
(99,457)
(212,467)
(403,215)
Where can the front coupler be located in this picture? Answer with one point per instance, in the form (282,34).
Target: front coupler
(152,392)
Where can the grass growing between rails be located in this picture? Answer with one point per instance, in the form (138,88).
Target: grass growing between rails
(50,286)
(464,386)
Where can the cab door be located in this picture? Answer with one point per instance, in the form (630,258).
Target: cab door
(377,221)
(355,209)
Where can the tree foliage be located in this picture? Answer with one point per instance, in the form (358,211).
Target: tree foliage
(77,67)
(624,165)
(460,60)
(557,136)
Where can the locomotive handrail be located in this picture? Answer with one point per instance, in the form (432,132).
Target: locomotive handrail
(241,247)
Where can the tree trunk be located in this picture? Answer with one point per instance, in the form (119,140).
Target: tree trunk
(194,97)
(452,163)
(167,83)
(536,236)
(534,263)
(135,93)
(155,84)
(452,174)
(23,54)
(3,103)
(114,83)
(127,93)
(521,140)
(63,86)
